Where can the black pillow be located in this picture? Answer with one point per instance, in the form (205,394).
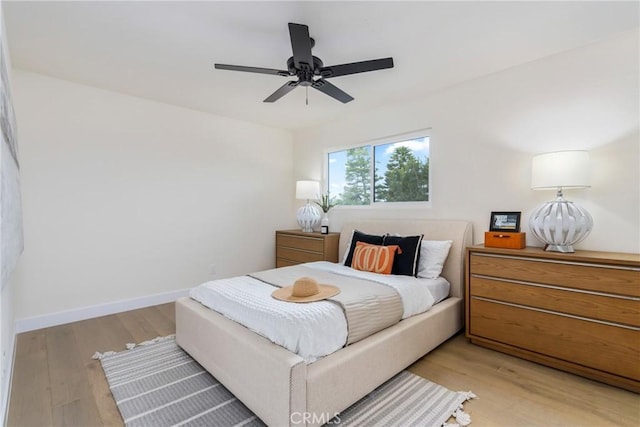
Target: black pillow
(406,262)
(361,237)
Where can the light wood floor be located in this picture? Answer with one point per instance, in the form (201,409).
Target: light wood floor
(55,381)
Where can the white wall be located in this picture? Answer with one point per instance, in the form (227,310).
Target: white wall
(485,132)
(125,198)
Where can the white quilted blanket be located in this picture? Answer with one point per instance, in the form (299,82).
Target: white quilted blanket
(311,330)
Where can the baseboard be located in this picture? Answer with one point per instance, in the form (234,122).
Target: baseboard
(83,313)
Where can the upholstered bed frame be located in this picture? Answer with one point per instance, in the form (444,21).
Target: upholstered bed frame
(280,388)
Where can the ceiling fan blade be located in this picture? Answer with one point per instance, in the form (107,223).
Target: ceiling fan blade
(301,46)
(282,91)
(331,90)
(356,67)
(252,69)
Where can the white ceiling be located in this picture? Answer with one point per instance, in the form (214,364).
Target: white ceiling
(165,51)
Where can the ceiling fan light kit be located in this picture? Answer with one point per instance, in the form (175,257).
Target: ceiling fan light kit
(310,69)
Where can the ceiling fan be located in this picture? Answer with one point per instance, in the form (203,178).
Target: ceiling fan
(306,67)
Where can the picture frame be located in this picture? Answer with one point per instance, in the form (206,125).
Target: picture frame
(505,221)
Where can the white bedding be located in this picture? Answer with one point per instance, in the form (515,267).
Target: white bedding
(311,330)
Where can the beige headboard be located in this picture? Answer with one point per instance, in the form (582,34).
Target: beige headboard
(460,232)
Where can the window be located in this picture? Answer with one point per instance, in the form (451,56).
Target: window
(383,172)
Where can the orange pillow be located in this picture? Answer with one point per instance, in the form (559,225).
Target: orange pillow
(374,258)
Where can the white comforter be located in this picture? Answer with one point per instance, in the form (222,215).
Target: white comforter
(311,330)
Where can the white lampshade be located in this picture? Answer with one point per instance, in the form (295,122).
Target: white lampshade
(307,189)
(562,169)
(560,224)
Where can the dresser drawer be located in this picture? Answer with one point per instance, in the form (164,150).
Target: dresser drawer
(585,304)
(299,242)
(281,262)
(570,275)
(600,346)
(297,255)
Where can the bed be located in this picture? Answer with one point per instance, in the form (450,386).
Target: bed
(275,383)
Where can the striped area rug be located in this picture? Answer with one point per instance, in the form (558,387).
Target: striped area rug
(157,384)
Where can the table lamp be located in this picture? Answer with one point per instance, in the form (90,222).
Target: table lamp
(560,224)
(308,215)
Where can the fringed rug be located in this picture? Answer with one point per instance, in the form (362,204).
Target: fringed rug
(156,383)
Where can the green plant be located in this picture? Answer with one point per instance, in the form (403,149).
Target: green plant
(325,203)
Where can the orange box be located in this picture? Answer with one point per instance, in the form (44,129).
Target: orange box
(504,239)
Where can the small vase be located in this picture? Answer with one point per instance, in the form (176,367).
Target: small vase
(324,224)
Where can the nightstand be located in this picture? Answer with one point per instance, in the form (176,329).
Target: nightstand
(577,312)
(295,247)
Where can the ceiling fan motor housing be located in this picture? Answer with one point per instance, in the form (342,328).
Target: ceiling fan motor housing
(305,73)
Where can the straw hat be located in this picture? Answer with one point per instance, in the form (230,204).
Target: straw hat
(305,289)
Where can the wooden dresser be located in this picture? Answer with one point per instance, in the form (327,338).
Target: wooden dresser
(577,312)
(295,247)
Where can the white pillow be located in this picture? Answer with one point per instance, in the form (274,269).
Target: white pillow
(433,254)
(346,253)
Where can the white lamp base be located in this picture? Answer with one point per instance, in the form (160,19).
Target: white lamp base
(308,217)
(559,248)
(560,224)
